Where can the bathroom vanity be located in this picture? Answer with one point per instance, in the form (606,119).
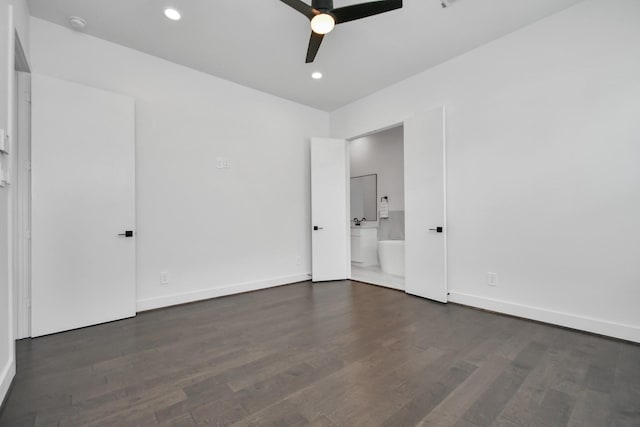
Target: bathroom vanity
(364,245)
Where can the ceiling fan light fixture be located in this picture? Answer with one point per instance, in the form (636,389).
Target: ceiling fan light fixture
(323,23)
(324,17)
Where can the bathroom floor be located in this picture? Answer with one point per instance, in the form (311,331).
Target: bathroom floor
(374,275)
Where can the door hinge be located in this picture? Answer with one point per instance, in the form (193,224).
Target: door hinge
(27,165)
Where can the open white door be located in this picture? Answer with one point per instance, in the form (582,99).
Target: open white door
(329,214)
(83,189)
(425,204)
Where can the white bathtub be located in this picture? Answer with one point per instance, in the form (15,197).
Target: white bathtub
(391,256)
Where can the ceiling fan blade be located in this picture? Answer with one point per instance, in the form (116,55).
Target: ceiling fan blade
(314,45)
(301,7)
(357,11)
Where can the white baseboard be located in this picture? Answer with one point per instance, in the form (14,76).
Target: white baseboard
(182,298)
(597,326)
(6,376)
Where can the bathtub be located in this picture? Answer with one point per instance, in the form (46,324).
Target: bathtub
(391,256)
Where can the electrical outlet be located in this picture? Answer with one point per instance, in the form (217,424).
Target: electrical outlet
(164,278)
(492,279)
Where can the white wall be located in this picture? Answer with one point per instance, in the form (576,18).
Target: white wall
(13,17)
(381,153)
(543,140)
(215,231)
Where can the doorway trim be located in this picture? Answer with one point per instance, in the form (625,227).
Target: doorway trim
(22,222)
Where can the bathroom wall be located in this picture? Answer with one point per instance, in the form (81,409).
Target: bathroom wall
(542,166)
(382,153)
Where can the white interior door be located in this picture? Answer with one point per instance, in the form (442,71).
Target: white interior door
(425,204)
(330,226)
(83,182)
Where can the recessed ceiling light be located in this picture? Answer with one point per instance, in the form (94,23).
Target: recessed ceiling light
(317,75)
(172,14)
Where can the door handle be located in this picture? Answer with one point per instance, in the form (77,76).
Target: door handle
(437,229)
(316,228)
(128,233)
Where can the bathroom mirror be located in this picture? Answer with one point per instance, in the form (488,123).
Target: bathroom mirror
(364,197)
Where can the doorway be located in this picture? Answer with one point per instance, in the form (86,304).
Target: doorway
(376,164)
(425,227)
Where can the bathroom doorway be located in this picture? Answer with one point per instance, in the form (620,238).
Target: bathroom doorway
(425,210)
(376,211)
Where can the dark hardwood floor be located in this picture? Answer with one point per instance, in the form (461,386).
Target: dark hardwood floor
(329,354)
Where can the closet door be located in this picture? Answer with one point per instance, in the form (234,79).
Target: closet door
(330,239)
(83,209)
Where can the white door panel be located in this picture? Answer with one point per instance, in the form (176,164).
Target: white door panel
(425,204)
(83,189)
(329,211)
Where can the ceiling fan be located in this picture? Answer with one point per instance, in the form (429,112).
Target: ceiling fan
(324,17)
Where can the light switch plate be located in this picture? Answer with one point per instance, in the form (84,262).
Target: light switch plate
(4,142)
(7,175)
(222,163)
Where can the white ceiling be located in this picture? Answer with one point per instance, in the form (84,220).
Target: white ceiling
(262,43)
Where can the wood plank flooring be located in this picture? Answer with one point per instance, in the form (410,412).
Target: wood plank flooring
(324,355)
